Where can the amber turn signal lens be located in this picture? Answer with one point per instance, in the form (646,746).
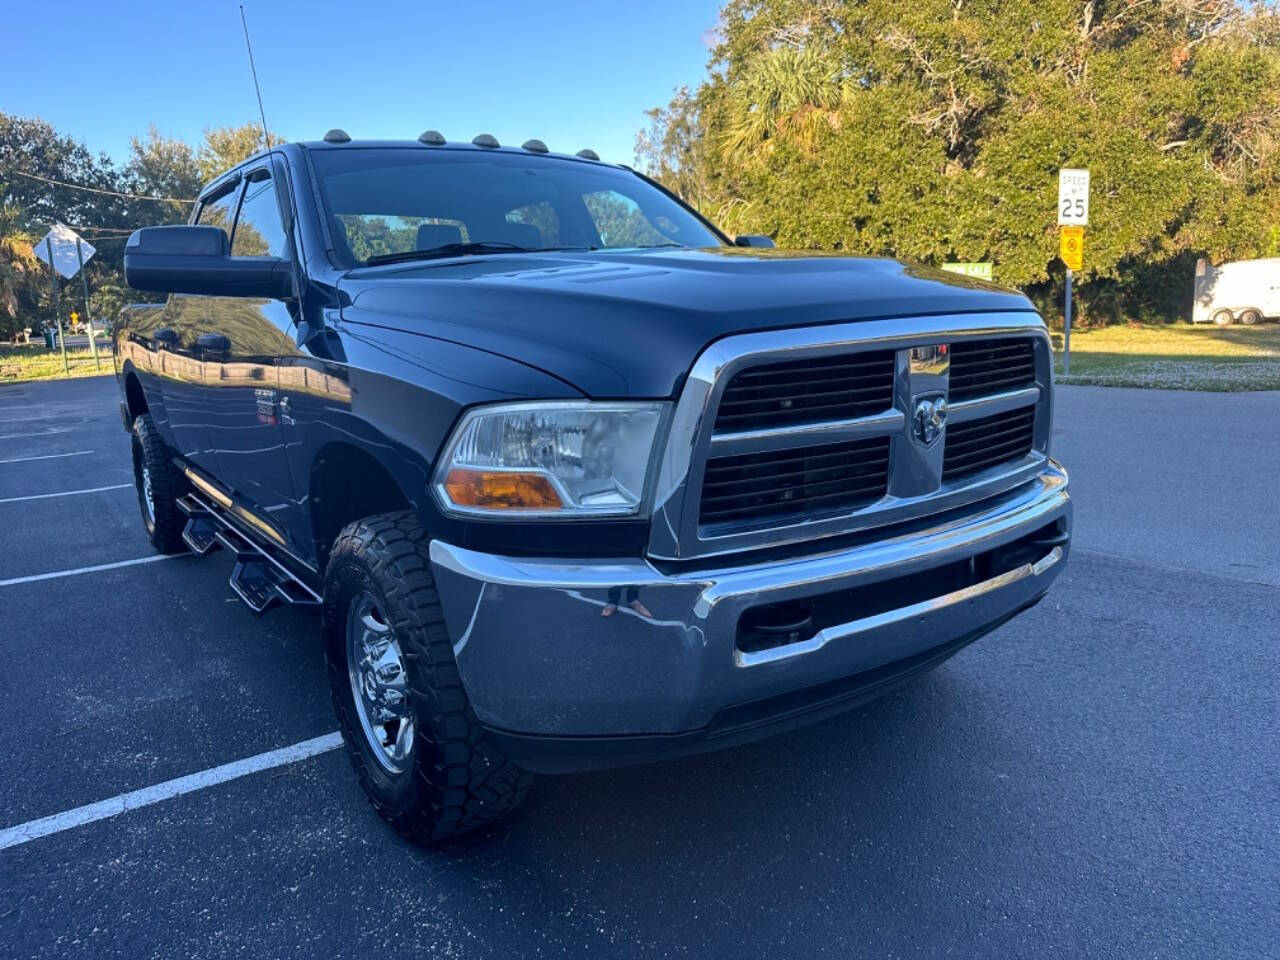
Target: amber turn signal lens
(501,491)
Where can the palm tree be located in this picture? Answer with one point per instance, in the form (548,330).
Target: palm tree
(787,91)
(19,271)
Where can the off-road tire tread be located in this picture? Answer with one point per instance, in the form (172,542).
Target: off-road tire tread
(466,782)
(167,485)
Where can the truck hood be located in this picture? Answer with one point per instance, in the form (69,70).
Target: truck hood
(616,324)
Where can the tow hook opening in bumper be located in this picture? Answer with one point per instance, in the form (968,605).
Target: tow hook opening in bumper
(774,631)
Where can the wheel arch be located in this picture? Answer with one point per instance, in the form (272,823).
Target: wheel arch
(346,483)
(135,397)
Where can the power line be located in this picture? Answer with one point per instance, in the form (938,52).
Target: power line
(108,193)
(81,227)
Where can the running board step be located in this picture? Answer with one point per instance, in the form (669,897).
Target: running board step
(260,584)
(200,535)
(201,532)
(258,579)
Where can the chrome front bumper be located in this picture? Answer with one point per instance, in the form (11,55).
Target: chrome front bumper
(561,648)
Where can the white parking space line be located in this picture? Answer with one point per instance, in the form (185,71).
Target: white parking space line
(78,817)
(65,493)
(41,433)
(48,456)
(33,578)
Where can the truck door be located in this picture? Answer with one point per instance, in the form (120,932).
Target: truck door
(246,340)
(177,344)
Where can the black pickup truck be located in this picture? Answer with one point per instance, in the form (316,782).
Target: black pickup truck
(574,479)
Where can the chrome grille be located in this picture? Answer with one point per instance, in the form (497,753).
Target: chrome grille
(786,436)
(808,481)
(838,387)
(975,445)
(982,367)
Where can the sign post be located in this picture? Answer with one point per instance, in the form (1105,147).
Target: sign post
(1073,217)
(66,254)
(1066,330)
(57,310)
(88,317)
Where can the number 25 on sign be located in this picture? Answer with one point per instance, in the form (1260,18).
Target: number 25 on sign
(1071,247)
(1073,198)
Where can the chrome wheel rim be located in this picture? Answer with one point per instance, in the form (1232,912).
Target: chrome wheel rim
(379,684)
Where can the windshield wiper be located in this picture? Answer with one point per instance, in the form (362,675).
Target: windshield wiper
(475,247)
(459,249)
(455,250)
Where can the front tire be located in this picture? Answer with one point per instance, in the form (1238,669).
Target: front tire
(1222,318)
(418,750)
(159,485)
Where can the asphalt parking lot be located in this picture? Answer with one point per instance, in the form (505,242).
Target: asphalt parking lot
(1099,778)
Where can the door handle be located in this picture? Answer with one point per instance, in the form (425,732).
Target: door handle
(214,341)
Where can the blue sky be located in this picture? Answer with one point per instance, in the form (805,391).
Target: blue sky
(574,73)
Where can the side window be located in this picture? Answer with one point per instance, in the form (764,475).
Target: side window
(620,221)
(259,229)
(220,211)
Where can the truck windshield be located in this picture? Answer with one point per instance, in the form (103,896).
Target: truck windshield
(388,201)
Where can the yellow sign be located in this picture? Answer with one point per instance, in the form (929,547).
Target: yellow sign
(1071,247)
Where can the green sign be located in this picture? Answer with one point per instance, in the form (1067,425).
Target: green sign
(980,270)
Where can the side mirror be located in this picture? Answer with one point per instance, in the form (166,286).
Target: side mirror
(198,260)
(753,240)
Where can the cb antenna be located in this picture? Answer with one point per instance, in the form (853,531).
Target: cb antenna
(254,70)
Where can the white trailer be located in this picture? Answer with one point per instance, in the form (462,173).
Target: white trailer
(1247,291)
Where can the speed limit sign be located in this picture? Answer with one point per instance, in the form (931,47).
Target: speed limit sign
(1073,198)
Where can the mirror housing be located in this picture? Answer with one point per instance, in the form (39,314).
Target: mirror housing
(197,259)
(753,240)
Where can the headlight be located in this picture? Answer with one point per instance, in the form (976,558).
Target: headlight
(562,459)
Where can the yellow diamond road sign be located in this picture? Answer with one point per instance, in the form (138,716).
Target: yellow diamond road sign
(1071,247)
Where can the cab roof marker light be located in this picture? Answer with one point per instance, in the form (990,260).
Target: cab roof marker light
(587,154)
(432,138)
(486,140)
(337,135)
(534,146)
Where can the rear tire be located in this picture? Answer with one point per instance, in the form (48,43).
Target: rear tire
(1250,317)
(1222,318)
(418,750)
(159,485)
